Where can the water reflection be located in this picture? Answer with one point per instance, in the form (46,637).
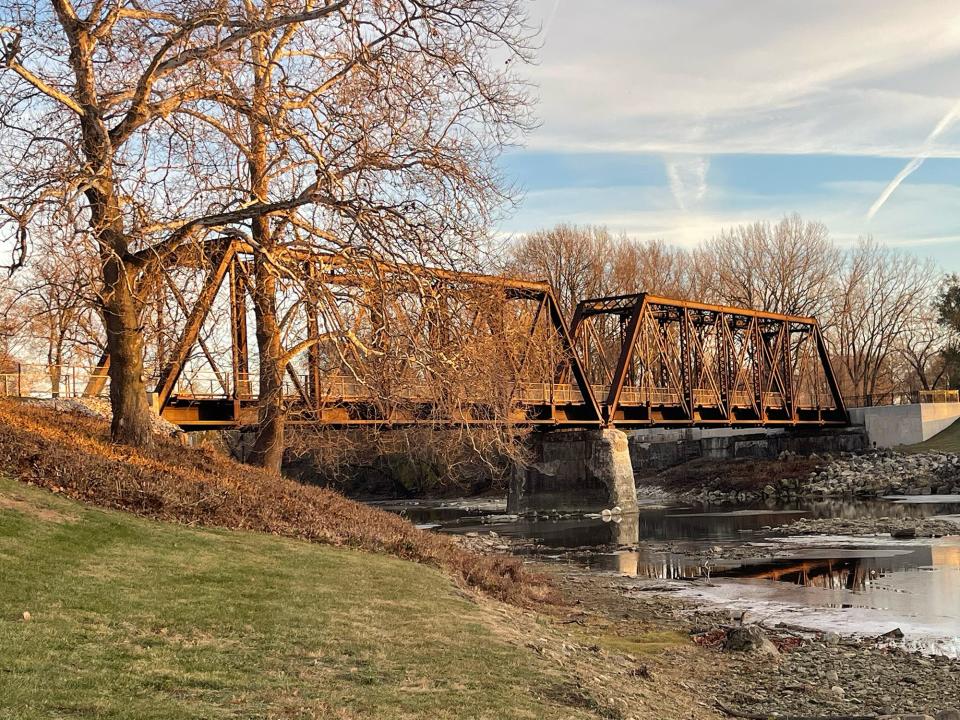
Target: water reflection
(694,523)
(867,585)
(854,569)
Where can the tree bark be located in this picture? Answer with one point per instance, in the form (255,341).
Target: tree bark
(54,370)
(131,423)
(269,444)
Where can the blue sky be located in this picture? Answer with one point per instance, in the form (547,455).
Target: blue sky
(667,119)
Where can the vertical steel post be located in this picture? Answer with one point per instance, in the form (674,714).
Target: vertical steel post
(686,364)
(724,358)
(788,369)
(161,340)
(313,352)
(758,366)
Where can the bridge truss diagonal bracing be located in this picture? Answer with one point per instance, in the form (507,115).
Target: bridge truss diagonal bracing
(368,343)
(658,361)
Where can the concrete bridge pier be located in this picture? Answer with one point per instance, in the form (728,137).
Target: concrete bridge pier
(575,470)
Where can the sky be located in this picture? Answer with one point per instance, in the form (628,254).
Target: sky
(674,119)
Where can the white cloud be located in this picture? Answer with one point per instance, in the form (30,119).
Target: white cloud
(688,80)
(859,77)
(687,176)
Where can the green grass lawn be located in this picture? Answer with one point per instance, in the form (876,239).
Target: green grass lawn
(136,619)
(945,441)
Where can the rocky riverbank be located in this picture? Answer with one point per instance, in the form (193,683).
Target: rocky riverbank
(824,675)
(867,475)
(888,472)
(758,671)
(742,666)
(901,528)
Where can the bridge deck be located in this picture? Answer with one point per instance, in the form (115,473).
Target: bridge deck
(347,402)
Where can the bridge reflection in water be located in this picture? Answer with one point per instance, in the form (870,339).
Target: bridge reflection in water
(856,571)
(636,545)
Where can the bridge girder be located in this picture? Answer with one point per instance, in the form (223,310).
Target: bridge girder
(629,360)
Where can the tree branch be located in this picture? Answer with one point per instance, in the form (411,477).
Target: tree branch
(10,52)
(139,111)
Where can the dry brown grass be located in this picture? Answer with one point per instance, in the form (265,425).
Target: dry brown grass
(73,454)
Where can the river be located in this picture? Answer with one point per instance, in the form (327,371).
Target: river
(728,557)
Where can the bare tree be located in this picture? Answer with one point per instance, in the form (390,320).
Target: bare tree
(879,297)
(574,260)
(99,102)
(87,85)
(53,305)
(923,349)
(787,268)
(391,116)
(652,266)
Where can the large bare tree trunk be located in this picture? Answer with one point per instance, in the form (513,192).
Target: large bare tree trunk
(128,397)
(54,371)
(269,444)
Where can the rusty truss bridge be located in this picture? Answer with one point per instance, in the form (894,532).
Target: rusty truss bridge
(375,343)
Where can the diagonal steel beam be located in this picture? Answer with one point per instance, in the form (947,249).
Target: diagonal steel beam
(626,355)
(172,370)
(560,326)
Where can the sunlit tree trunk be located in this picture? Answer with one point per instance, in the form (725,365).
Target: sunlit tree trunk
(131,423)
(269,444)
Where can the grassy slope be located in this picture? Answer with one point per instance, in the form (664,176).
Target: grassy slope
(73,454)
(945,441)
(138,619)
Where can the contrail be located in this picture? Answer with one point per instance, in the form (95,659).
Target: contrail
(945,122)
(547,25)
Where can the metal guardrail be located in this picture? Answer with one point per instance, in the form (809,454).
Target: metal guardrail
(30,380)
(938,396)
(37,381)
(916,397)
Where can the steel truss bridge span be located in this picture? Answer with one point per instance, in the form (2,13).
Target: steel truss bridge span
(383,344)
(664,362)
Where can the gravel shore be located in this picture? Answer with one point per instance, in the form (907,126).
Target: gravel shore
(867,475)
(791,673)
(864,527)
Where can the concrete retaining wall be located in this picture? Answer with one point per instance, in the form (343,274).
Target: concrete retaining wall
(892,425)
(656,450)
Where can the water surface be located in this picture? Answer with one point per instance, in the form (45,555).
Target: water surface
(857,585)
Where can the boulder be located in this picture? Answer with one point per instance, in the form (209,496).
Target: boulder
(904,532)
(749,638)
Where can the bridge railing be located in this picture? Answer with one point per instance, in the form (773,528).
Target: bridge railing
(938,396)
(9,385)
(34,380)
(904,398)
(632,395)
